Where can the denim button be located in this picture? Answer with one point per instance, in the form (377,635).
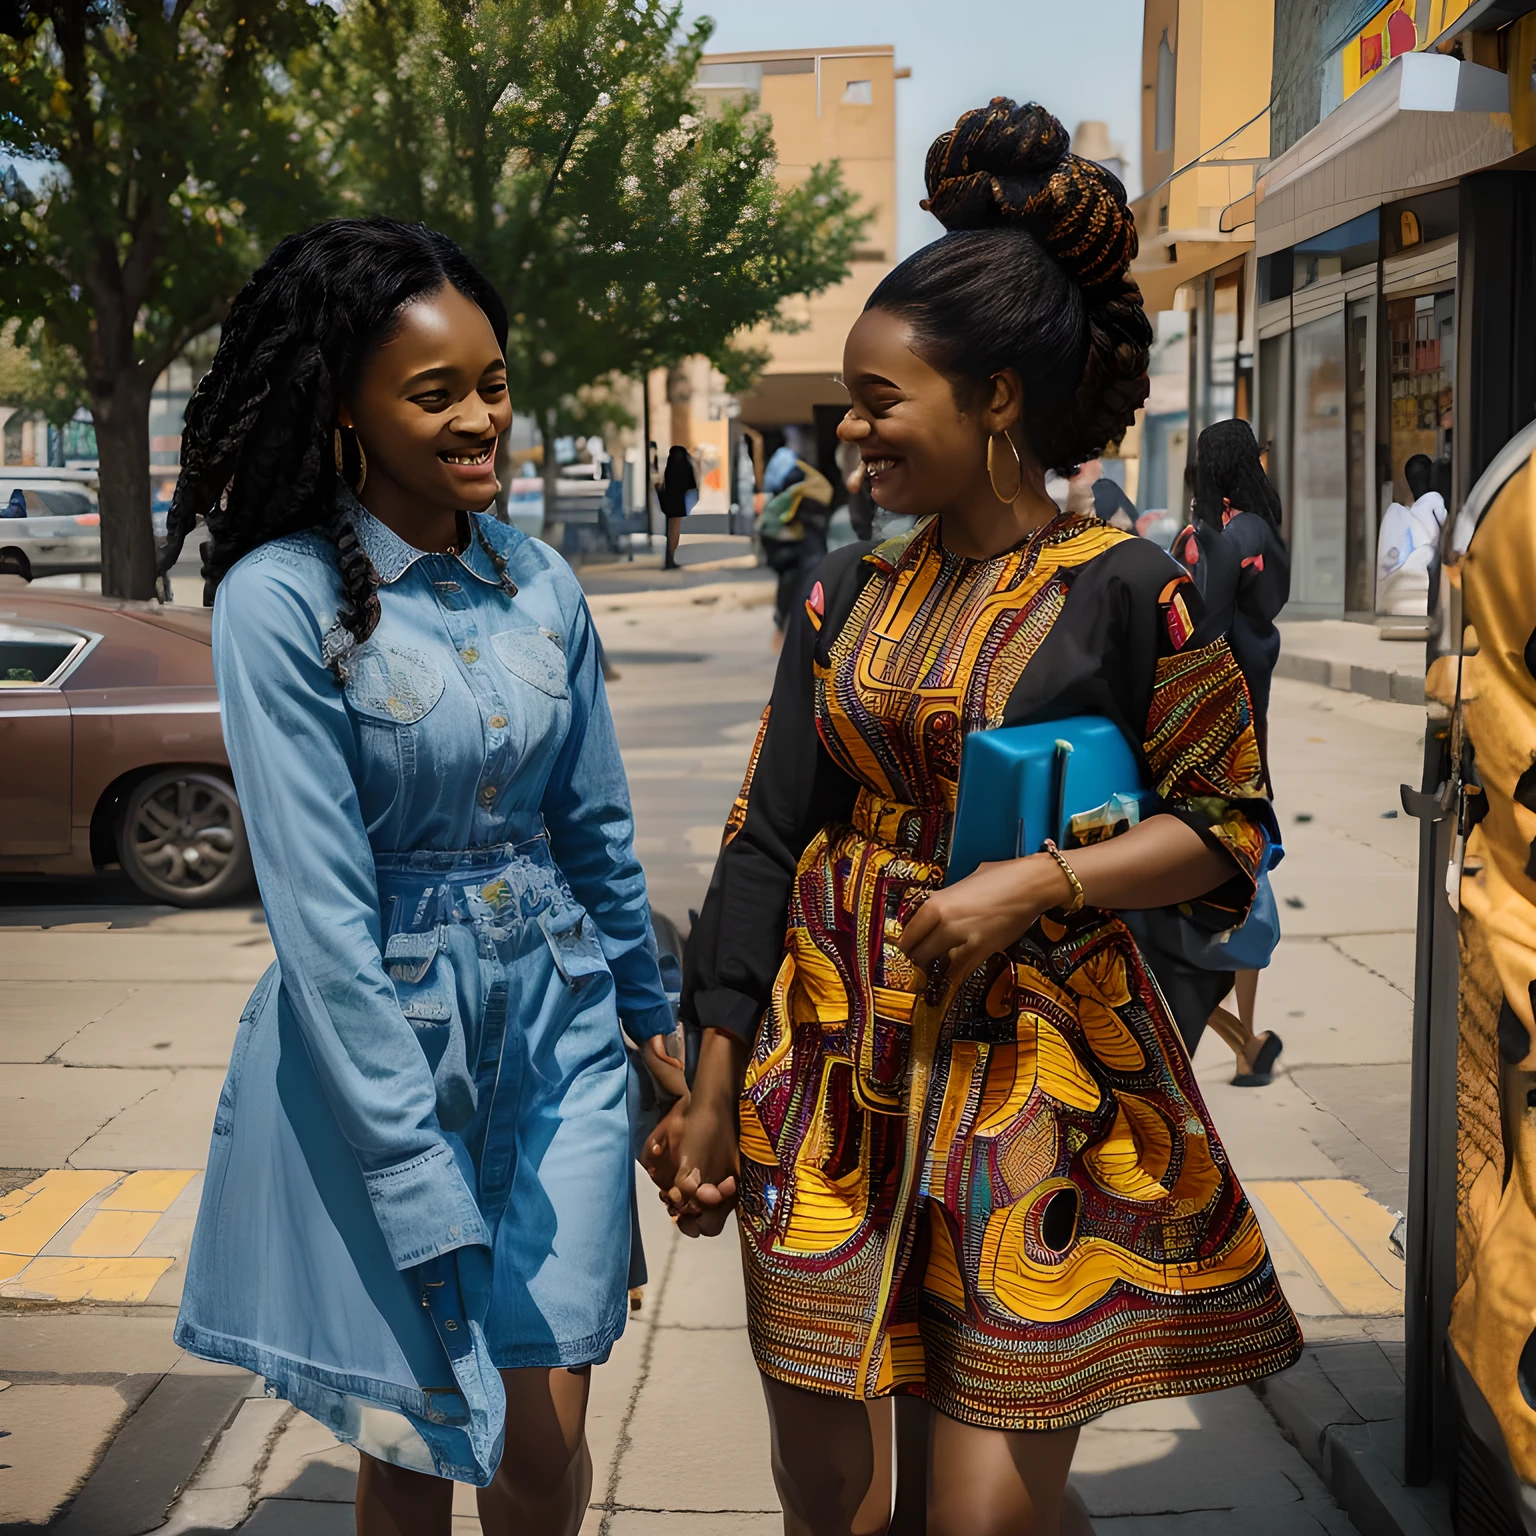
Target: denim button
(488,794)
(451,1326)
(470,654)
(497,722)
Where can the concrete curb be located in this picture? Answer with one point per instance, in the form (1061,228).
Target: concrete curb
(1374,682)
(1341,1404)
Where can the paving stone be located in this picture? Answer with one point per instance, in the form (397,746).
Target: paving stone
(72,1343)
(635,1522)
(1364,1378)
(706,1289)
(1236,1457)
(168,1127)
(49,1112)
(1392,955)
(1327,1007)
(298,1517)
(154,1455)
(132,956)
(1268,1132)
(36,1018)
(694,1372)
(309,1463)
(54,1434)
(171,1024)
(244,1444)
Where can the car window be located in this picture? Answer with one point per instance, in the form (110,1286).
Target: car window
(50,502)
(31,655)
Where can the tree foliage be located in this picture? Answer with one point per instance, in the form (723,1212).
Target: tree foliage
(173,150)
(562,144)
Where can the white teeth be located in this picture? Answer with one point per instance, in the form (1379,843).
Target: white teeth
(877,466)
(478,457)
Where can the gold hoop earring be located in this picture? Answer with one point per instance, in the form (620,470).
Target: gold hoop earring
(341,460)
(1018,484)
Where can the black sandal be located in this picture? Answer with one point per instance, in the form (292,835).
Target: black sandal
(1263,1073)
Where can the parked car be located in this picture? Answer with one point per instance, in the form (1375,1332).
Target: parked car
(111,750)
(49,522)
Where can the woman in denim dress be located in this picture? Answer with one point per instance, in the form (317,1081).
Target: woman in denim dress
(416,1219)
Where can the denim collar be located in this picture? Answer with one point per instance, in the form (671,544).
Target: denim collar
(392,557)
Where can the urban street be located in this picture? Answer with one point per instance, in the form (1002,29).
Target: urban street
(116,1022)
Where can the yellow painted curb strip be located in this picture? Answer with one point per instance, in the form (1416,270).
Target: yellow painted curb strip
(123,1280)
(30,1216)
(1344,1270)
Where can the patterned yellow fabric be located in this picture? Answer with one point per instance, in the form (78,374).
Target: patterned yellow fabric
(1012,1200)
(738,812)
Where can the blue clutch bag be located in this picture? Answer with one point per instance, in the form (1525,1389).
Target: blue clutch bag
(1022,784)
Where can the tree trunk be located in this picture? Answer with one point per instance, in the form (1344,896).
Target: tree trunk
(680,398)
(122,442)
(553,531)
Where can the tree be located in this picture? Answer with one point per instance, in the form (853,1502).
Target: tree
(173,150)
(561,143)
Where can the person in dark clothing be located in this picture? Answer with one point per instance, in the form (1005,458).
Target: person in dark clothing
(677,493)
(1239,562)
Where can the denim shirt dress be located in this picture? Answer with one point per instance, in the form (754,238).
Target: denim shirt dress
(420,1165)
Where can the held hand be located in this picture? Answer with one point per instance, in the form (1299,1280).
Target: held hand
(667,1069)
(660,1155)
(708,1159)
(704,1155)
(957,927)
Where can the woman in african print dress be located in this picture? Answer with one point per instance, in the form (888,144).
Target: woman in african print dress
(965,1146)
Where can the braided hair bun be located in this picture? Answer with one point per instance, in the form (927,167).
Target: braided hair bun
(1004,183)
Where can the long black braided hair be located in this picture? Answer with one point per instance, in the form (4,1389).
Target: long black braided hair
(1229,472)
(258,450)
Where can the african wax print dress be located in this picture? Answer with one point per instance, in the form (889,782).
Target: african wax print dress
(1006,1194)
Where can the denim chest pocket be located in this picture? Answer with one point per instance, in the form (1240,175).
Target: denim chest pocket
(537,656)
(393,682)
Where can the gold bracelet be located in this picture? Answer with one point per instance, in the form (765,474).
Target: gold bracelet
(1078,897)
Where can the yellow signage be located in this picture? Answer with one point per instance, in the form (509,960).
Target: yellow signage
(1392,31)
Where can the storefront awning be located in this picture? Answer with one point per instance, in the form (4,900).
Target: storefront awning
(1158,277)
(1428,118)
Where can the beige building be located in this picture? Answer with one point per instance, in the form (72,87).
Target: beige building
(832,104)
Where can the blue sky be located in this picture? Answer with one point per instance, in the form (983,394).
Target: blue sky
(1082,58)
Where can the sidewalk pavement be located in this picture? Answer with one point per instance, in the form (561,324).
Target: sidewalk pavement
(1353,657)
(118,1019)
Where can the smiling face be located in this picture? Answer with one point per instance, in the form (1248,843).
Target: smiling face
(428,407)
(924,450)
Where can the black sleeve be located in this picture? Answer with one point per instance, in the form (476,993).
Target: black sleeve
(1263,566)
(793,790)
(1214,567)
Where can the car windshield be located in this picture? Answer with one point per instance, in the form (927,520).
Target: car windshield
(45,501)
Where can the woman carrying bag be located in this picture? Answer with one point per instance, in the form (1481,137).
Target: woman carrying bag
(678,494)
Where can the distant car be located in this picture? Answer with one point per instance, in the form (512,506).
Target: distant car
(111,750)
(49,522)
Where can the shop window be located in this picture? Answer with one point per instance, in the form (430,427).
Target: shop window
(1319,489)
(1422,405)
(1336,251)
(1360,594)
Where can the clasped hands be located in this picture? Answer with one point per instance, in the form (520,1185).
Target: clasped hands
(693,1155)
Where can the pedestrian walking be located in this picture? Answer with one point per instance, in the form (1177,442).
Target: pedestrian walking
(1237,557)
(965,1146)
(677,493)
(417,1212)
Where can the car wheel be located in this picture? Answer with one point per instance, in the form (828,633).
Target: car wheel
(14,562)
(182,839)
